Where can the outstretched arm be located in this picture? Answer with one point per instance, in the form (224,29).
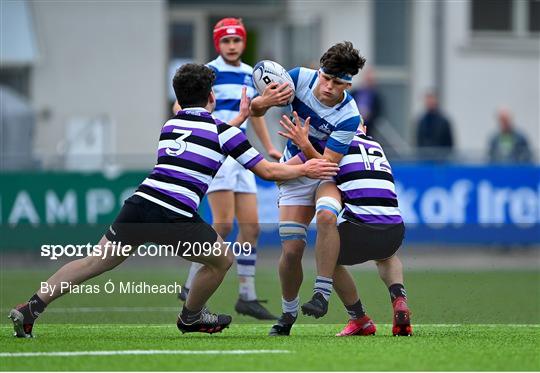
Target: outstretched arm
(234,143)
(314,169)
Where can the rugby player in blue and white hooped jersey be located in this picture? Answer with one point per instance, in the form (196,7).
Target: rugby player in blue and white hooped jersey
(321,95)
(233,192)
(163,210)
(370,225)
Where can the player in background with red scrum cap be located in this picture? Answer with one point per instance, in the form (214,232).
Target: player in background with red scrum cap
(233,192)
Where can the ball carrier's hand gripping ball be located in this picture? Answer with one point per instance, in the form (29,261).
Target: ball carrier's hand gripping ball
(266,72)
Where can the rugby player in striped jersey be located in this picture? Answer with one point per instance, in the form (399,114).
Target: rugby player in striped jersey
(233,192)
(369,227)
(163,210)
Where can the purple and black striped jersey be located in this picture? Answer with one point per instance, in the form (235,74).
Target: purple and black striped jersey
(192,147)
(366,183)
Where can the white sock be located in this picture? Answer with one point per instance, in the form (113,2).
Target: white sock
(192,272)
(323,285)
(245,266)
(247,287)
(290,306)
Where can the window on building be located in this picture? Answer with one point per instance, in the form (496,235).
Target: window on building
(534,15)
(181,40)
(391,38)
(513,17)
(492,15)
(181,49)
(392,32)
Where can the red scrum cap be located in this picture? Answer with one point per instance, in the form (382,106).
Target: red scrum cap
(229,27)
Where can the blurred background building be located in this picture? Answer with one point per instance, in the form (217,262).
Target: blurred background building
(94,77)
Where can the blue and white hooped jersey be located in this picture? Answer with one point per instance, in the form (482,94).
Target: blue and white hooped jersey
(331,127)
(228,88)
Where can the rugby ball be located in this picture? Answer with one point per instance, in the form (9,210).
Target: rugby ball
(266,72)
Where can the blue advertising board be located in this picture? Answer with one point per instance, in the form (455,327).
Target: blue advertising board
(441,204)
(449,204)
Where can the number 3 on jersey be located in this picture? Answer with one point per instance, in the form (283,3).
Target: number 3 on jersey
(180,143)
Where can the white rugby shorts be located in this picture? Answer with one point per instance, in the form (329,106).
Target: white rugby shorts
(298,192)
(232,176)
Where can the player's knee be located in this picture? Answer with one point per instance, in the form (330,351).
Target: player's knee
(327,209)
(392,262)
(97,265)
(223,262)
(250,232)
(228,259)
(224,228)
(292,254)
(290,231)
(326,218)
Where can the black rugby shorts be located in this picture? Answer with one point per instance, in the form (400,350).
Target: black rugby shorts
(360,242)
(141,221)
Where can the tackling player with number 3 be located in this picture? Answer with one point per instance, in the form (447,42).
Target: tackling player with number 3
(233,192)
(163,210)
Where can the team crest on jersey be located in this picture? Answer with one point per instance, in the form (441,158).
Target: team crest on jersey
(247,81)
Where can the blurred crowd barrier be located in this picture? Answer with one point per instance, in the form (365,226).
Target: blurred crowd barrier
(445,204)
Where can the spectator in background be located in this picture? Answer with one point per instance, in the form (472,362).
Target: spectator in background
(508,145)
(434,131)
(368,100)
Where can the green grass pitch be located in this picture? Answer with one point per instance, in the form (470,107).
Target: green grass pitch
(484,320)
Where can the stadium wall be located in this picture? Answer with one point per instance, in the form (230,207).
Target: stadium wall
(100,59)
(105,65)
(483,72)
(340,20)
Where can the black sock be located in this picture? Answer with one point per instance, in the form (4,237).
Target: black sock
(190,316)
(34,308)
(356,310)
(397,290)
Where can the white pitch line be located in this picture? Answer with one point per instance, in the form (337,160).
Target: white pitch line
(142,352)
